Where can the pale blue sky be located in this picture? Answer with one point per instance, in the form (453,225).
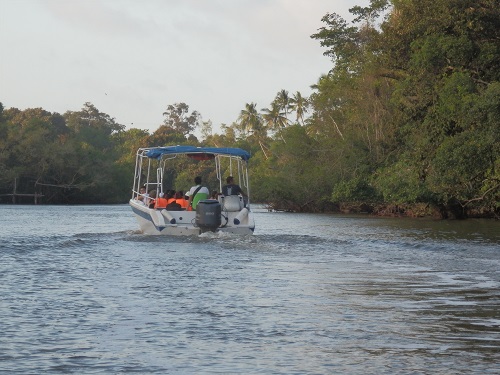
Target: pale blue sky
(132,58)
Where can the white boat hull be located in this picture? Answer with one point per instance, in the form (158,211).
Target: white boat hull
(182,223)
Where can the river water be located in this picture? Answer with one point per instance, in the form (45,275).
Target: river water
(83,292)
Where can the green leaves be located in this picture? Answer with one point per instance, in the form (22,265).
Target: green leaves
(178,118)
(341,40)
(417,96)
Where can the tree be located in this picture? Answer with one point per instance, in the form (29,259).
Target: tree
(252,123)
(165,135)
(344,43)
(249,119)
(283,101)
(401,97)
(448,52)
(177,117)
(206,129)
(274,119)
(92,126)
(300,105)
(127,142)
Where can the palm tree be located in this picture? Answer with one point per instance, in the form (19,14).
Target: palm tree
(283,101)
(274,119)
(250,121)
(300,105)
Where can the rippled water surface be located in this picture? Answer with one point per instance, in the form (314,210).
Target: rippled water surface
(83,292)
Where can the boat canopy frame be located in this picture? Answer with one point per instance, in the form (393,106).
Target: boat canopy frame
(238,161)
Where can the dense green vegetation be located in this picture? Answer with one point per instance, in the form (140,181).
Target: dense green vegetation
(406,122)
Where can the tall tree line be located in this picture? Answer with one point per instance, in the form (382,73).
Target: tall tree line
(417,100)
(406,121)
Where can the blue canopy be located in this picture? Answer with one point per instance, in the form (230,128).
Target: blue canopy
(157,152)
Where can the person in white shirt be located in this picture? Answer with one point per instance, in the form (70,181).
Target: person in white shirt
(142,197)
(197,193)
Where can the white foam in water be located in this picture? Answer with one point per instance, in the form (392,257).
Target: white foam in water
(219,234)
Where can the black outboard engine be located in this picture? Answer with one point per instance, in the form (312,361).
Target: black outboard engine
(208,215)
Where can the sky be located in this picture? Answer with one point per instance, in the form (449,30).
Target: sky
(131,59)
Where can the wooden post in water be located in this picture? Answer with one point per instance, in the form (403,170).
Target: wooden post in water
(14,192)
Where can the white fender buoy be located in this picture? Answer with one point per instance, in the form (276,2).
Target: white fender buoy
(241,216)
(169,216)
(158,220)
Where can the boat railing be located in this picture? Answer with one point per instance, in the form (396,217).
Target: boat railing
(225,165)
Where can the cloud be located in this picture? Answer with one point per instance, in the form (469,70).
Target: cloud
(96,17)
(214,55)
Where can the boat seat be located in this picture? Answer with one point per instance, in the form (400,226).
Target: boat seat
(231,203)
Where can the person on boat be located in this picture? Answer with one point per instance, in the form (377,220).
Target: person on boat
(231,188)
(215,195)
(197,193)
(170,196)
(179,198)
(177,203)
(140,200)
(161,202)
(141,197)
(152,198)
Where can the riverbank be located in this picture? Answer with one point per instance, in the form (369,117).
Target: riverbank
(416,210)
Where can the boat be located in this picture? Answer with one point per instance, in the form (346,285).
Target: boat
(225,214)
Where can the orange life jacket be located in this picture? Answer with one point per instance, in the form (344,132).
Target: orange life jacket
(160,203)
(182,202)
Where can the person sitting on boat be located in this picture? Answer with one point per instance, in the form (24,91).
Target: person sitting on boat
(152,198)
(140,200)
(177,202)
(142,196)
(197,193)
(161,202)
(179,198)
(215,195)
(169,196)
(231,188)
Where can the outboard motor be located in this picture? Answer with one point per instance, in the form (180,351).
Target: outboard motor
(208,215)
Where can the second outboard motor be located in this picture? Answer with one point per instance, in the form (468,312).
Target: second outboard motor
(208,215)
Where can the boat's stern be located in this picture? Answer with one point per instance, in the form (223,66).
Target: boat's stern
(182,223)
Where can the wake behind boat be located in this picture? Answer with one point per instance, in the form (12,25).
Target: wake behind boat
(226,213)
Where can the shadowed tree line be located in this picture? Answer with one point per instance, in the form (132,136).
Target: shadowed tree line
(407,121)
